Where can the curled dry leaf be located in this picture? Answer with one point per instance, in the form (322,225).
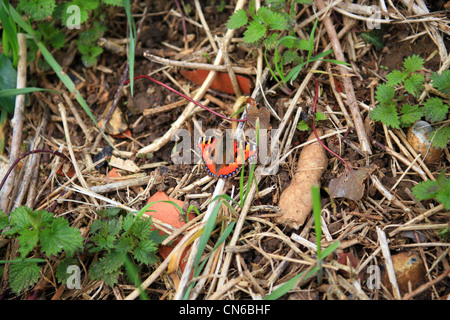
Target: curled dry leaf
(126,165)
(296,200)
(345,185)
(255,113)
(115,125)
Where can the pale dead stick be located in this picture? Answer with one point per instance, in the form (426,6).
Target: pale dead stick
(389,265)
(196,65)
(17,120)
(205,25)
(351,101)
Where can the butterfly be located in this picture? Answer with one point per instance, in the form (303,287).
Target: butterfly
(223,163)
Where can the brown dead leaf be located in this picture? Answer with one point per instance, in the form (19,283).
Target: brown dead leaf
(126,165)
(296,200)
(345,185)
(254,113)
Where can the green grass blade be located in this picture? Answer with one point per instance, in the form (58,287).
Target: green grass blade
(132,43)
(9,36)
(133,275)
(16,92)
(317,219)
(288,285)
(328,250)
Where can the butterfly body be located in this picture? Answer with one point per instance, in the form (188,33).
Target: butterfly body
(223,163)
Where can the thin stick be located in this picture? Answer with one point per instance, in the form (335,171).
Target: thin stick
(351,101)
(196,65)
(205,25)
(17,121)
(389,265)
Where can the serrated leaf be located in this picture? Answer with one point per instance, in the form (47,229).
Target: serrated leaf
(60,236)
(395,77)
(435,110)
(410,114)
(304,45)
(302,126)
(127,222)
(414,83)
(442,81)
(91,4)
(237,19)
(141,228)
(145,252)
(28,239)
(37,9)
(443,196)
(426,190)
(440,137)
(116,3)
(255,31)
(274,20)
(23,275)
(271,41)
(386,113)
(413,63)
(384,93)
(20,217)
(290,56)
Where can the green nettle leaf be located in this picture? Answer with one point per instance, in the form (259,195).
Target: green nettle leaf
(237,19)
(255,31)
(386,113)
(145,252)
(435,110)
(413,63)
(274,20)
(414,83)
(28,239)
(302,126)
(304,45)
(410,114)
(426,190)
(396,77)
(37,9)
(442,81)
(116,3)
(23,275)
(60,236)
(440,137)
(271,41)
(290,56)
(385,93)
(444,196)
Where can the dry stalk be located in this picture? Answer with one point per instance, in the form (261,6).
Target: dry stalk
(196,65)
(16,122)
(349,90)
(205,25)
(389,265)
